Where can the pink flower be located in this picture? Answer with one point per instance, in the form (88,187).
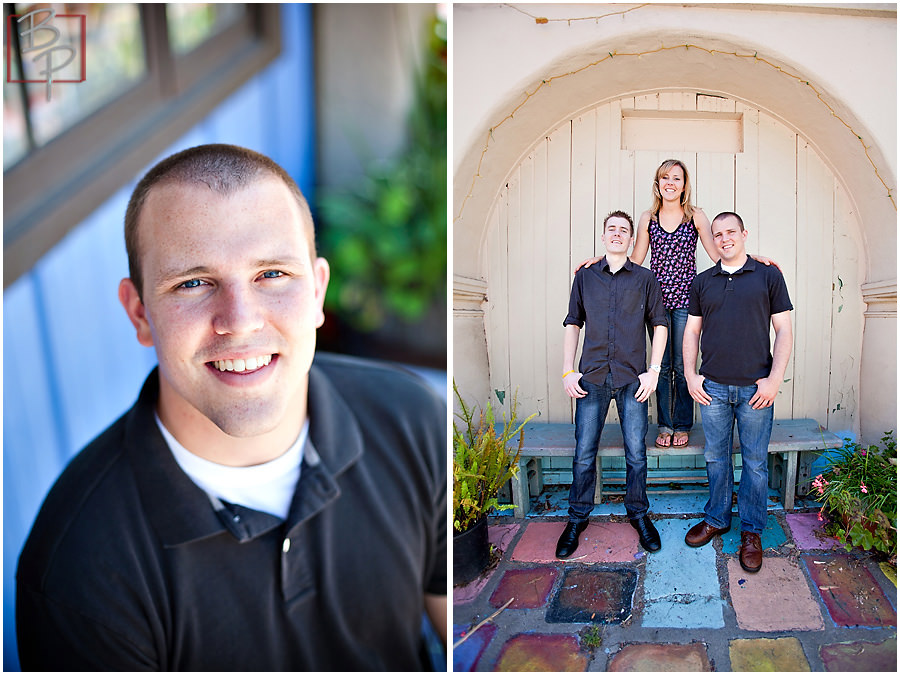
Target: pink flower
(862,486)
(819,483)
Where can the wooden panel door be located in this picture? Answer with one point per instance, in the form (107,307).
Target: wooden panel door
(546,217)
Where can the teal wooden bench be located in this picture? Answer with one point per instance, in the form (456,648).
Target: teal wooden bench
(789,438)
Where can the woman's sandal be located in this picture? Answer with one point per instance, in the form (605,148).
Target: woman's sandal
(682,436)
(666,440)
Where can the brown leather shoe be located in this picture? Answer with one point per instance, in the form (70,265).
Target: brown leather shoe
(702,533)
(751,551)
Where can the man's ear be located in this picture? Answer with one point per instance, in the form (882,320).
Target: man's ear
(321,274)
(137,313)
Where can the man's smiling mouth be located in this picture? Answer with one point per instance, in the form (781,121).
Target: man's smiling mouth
(243,365)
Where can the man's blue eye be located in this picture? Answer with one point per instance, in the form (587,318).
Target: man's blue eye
(272,274)
(193,283)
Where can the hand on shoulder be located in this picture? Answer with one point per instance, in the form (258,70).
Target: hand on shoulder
(588,262)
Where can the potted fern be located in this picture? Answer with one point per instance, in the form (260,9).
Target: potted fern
(482,463)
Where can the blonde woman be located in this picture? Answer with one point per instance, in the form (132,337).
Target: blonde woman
(671,228)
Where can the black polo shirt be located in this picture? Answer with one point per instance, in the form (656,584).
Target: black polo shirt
(129,566)
(736,310)
(615,308)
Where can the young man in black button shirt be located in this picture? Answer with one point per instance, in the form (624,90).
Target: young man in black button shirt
(731,307)
(262,507)
(615,300)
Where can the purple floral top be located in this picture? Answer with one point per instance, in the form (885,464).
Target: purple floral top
(673,260)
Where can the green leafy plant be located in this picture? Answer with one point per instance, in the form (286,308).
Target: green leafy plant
(482,460)
(591,639)
(386,238)
(859,494)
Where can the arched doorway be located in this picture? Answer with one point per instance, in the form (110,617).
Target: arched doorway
(542,223)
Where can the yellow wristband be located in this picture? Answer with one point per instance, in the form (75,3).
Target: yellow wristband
(567,374)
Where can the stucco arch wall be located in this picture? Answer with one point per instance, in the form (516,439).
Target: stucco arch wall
(578,72)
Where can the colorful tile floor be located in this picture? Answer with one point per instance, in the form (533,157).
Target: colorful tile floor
(613,607)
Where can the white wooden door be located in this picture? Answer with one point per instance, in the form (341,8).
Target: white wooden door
(545,218)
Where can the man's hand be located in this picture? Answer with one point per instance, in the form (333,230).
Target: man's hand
(695,388)
(766,261)
(766,391)
(588,262)
(648,382)
(570,384)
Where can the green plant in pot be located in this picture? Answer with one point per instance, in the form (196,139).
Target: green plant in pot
(482,463)
(858,492)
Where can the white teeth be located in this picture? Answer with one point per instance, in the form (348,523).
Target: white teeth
(243,365)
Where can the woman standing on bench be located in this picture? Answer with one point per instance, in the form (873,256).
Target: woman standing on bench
(670,229)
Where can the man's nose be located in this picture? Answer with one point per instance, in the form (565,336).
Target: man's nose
(237,310)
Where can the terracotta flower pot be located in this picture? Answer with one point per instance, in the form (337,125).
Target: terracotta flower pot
(844,520)
(866,523)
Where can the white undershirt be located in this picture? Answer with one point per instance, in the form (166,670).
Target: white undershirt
(265,487)
(730,269)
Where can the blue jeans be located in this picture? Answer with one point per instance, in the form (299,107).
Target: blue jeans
(674,405)
(590,413)
(730,404)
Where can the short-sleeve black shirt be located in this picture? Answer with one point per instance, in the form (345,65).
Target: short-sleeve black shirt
(736,310)
(616,308)
(129,566)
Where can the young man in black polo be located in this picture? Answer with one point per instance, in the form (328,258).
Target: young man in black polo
(616,300)
(236,516)
(731,307)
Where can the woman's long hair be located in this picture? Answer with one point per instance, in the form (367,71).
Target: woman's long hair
(686,204)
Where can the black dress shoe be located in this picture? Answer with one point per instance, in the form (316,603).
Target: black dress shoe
(568,540)
(647,533)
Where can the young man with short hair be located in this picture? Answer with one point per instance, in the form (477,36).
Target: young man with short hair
(615,299)
(731,307)
(236,517)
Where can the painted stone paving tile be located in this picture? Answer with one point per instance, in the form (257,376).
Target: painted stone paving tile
(850,592)
(592,595)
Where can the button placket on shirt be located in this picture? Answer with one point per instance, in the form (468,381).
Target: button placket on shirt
(297,570)
(611,318)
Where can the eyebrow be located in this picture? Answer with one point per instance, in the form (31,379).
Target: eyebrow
(173,274)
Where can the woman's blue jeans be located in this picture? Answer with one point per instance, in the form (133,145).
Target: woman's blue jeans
(730,404)
(590,413)
(674,405)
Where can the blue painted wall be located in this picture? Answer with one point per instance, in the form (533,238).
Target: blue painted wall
(71,361)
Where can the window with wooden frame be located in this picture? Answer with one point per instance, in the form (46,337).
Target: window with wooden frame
(150,72)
